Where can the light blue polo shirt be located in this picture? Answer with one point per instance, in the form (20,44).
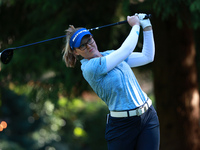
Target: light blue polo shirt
(118,88)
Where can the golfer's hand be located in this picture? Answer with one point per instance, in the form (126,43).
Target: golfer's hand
(133,20)
(143,22)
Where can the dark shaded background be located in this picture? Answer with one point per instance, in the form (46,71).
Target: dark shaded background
(48,106)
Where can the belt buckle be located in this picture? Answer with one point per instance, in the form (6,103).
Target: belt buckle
(138,112)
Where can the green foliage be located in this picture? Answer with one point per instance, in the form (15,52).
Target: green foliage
(8,145)
(73,122)
(21,123)
(184,11)
(85,123)
(195,11)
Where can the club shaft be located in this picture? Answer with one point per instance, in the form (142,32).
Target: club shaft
(108,25)
(147,16)
(37,42)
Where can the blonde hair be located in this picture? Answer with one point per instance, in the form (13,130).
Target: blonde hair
(68,55)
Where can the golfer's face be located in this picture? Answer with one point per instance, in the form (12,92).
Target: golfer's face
(88,47)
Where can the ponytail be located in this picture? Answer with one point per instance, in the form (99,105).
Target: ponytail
(68,55)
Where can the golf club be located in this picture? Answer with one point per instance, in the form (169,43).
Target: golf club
(7,54)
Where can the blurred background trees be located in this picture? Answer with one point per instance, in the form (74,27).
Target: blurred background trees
(175,73)
(49,106)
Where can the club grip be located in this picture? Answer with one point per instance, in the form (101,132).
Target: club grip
(148,16)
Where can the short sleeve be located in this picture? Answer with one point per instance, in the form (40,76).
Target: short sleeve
(94,69)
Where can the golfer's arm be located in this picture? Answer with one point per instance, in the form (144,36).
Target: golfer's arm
(125,50)
(147,54)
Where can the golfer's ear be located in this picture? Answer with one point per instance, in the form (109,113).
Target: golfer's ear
(75,52)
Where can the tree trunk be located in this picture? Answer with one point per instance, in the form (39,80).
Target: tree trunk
(176,87)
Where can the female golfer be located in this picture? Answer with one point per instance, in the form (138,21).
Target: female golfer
(132,123)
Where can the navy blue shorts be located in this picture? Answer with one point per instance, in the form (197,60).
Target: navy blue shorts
(134,133)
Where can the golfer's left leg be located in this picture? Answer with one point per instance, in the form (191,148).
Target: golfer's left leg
(149,138)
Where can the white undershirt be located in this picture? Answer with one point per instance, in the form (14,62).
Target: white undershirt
(126,50)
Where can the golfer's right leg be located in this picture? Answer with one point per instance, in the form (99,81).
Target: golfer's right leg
(121,133)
